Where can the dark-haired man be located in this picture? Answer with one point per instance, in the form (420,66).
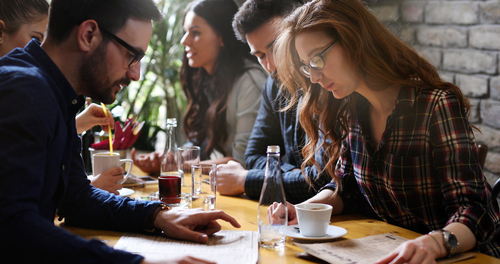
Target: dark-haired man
(254,24)
(92,48)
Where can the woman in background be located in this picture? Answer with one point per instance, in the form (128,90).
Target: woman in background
(221,82)
(20,21)
(23,20)
(400,138)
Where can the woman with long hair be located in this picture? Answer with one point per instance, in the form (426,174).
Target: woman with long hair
(20,21)
(222,83)
(398,136)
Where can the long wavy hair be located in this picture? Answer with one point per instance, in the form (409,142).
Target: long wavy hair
(379,57)
(203,120)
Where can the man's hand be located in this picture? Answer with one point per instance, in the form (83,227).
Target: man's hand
(109,180)
(148,163)
(231,178)
(192,224)
(93,116)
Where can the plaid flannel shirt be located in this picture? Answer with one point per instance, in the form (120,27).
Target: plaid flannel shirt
(425,172)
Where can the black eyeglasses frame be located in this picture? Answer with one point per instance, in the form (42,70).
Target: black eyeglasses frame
(320,55)
(138,55)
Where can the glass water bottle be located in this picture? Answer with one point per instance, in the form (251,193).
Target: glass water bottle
(272,227)
(170,163)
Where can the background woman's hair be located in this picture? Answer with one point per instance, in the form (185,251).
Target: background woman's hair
(202,119)
(15,13)
(380,59)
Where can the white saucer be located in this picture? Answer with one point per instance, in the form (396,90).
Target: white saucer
(126,192)
(331,233)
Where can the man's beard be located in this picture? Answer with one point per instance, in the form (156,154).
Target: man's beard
(94,77)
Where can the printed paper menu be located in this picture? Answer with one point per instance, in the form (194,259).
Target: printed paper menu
(224,247)
(363,250)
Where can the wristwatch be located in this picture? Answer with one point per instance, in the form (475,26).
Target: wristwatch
(450,241)
(152,216)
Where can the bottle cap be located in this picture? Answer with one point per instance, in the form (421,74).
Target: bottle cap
(273,149)
(171,121)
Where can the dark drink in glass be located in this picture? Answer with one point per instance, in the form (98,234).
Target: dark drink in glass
(170,188)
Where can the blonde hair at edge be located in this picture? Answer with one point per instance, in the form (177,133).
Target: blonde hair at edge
(380,59)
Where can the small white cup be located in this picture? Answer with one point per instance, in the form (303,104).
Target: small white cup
(313,218)
(104,161)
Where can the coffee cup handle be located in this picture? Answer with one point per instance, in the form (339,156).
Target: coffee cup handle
(131,163)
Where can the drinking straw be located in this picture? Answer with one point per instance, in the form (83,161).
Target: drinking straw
(110,135)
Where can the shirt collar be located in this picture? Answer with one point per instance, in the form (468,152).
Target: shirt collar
(407,96)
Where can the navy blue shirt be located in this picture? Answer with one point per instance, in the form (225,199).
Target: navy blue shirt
(274,127)
(41,171)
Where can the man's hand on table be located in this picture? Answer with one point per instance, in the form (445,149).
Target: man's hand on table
(231,178)
(192,224)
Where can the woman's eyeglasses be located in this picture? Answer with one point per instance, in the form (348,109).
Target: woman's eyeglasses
(133,60)
(316,62)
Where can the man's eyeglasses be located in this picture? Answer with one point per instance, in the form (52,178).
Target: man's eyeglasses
(137,54)
(316,62)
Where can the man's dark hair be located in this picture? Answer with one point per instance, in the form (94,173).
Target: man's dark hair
(111,15)
(253,13)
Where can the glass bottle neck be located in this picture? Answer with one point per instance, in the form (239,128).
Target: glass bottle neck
(273,164)
(171,137)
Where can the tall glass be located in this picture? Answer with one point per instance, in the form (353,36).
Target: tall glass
(189,155)
(204,186)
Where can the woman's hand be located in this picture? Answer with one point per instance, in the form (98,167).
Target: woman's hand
(109,180)
(148,163)
(276,211)
(423,249)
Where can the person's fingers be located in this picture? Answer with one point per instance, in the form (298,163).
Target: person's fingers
(105,122)
(232,162)
(211,228)
(224,216)
(206,217)
(193,260)
(132,154)
(388,258)
(115,171)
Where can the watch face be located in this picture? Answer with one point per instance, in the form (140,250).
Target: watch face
(452,240)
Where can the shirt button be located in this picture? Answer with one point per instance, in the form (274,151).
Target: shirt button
(74,101)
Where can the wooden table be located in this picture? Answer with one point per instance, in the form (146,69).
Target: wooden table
(244,210)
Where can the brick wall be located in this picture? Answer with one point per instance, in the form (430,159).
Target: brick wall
(462,40)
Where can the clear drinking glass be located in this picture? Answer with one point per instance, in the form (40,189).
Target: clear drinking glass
(204,186)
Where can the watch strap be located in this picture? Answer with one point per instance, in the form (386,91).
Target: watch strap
(449,240)
(152,216)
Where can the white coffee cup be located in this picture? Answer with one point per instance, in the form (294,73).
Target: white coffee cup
(313,218)
(104,161)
